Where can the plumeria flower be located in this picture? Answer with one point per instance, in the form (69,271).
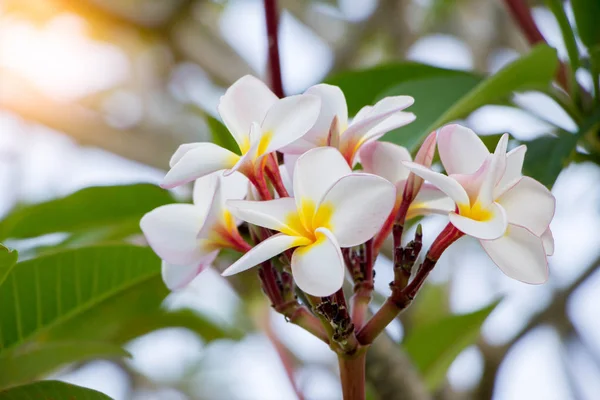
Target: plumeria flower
(369,124)
(331,208)
(259,122)
(188,237)
(509,213)
(386,160)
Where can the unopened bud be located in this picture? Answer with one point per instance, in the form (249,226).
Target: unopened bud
(425,158)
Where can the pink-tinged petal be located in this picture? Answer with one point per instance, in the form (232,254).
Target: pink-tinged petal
(494,172)
(245,102)
(446,184)
(357,206)
(519,254)
(425,158)
(430,200)
(272,214)
(491,228)
(512,174)
(472,182)
(461,150)
(178,276)
(362,114)
(263,251)
(385,159)
(200,161)
(171,232)
(180,152)
(288,120)
(529,204)
(333,104)
(318,269)
(316,171)
(548,242)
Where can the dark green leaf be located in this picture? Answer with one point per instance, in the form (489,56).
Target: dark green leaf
(433,347)
(8,258)
(86,209)
(547,156)
(433,97)
(51,390)
(362,87)
(44,292)
(221,135)
(587,13)
(34,361)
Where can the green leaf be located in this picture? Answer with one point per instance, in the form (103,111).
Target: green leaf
(586,14)
(433,347)
(51,390)
(547,156)
(430,305)
(8,259)
(362,87)
(221,135)
(33,362)
(42,293)
(440,100)
(86,209)
(433,97)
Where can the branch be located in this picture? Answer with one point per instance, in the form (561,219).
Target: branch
(272,23)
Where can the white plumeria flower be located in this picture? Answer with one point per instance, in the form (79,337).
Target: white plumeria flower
(332,128)
(332,208)
(386,160)
(259,122)
(510,214)
(187,237)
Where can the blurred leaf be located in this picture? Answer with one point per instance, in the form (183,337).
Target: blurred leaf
(586,13)
(44,292)
(433,97)
(547,156)
(362,87)
(430,305)
(51,390)
(136,312)
(33,362)
(86,209)
(433,347)
(8,258)
(221,135)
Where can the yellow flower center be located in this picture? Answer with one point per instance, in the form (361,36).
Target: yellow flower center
(307,219)
(475,212)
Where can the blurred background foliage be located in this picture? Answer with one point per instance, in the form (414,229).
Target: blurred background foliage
(95,95)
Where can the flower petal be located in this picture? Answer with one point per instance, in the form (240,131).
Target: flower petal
(333,104)
(246,101)
(359,205)
(318,269)
(171,232)
(445,183)
(288,120)
(512,174)
(385,159)
(548,241)
(519,254)
(494,172)
(264,251)
(430,200)
(272,214)
(316,171)
(529,204)
(180,152)
(178,276)
(197,162)
(489,229)
(204,190)
(461,150)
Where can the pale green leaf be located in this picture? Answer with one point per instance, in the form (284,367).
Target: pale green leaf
(51,390)
(8,259)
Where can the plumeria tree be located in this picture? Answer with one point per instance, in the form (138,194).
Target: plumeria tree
(293,198)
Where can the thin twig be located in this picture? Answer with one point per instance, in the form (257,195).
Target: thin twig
(272,22)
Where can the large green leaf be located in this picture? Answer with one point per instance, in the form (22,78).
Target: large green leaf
(433,97)
(44,292)
(34,361)
(51,390)
(439,100)
(361,87)
(221,135)
(8,259)
(587,13)
(433,347)
(547,156)
(86,209)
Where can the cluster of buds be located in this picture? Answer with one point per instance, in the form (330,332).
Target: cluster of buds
(323,218)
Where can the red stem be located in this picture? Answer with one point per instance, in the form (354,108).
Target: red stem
(352,374)
(272,21)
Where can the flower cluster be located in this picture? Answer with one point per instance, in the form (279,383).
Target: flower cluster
(316,205)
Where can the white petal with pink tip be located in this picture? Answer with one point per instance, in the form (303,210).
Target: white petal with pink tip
(461,150)
(385,159)
(445,183)
(178,276)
